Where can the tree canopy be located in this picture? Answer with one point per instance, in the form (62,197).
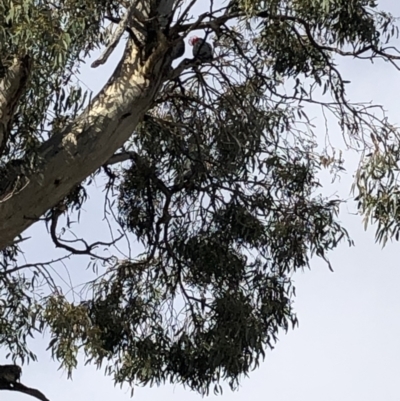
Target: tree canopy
(213,168)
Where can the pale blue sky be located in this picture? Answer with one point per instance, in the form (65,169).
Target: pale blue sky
(347,346)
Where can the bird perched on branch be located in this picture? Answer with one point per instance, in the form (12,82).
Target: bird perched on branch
(202,50)
(10,373)
(178,49)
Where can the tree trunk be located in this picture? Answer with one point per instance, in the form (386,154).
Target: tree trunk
(85,145)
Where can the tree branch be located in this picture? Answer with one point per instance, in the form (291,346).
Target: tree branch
(56,213)
(70,156)
(120,157)
(115,38)
(23,389)
(182,66)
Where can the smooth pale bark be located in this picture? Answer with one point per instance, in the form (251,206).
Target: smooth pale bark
(71,156)
(12,87)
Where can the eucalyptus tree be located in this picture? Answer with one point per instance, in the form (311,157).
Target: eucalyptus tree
(211,164)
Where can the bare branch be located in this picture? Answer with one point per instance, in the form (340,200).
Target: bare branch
(182,66)
(120,157)
(57,212)
(23,389)
(115,38)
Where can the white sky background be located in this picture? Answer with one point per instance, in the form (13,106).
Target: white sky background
(347,346)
